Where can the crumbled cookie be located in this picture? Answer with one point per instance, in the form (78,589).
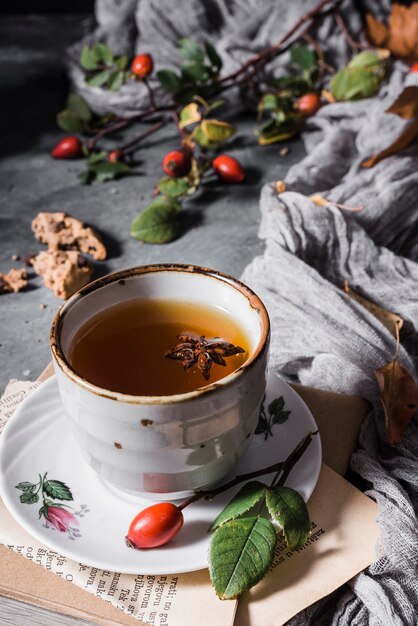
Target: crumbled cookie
(63,271)
(63,232)
(15,280)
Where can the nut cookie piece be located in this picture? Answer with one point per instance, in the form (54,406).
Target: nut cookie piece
(63,271)
(63,232)
(15,280)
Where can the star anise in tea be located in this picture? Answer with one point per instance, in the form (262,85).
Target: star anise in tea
(193,349)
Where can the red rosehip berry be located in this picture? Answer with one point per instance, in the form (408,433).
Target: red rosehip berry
(115,156)
(68,148)
(308,104)
(177,163)
(414,68)
(228,169)
(142,65)
(154,526)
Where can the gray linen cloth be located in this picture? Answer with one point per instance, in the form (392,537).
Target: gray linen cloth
(320,336)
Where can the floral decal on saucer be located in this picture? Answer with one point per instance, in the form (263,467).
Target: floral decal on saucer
(57,516)
(276,415)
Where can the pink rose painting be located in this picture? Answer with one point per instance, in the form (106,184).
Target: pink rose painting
(56,515)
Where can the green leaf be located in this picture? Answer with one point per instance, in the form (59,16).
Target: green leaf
(217,132)
(243,501)
(303,56)
(365,59)
(88,59)
(87,176)
(29,498)
(288,508)
(169,81)
(121,62)
(98,79)
(273,131)
(25,486)
(97,157)
(79,107)
(189,114)
(213,56)
(196,72)
(240,554)
(106,171)
(157,223)
(191,51)
(115,80)
(103,53)
(68,120)
(354,83)
(57,490)
(295,85)
(173,187)
(269,102)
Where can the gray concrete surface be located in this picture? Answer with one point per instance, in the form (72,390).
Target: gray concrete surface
(219,226)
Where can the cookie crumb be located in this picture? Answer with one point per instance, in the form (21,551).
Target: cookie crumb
(15,280)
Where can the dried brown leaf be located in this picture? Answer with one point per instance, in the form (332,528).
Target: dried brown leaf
(406,104)
(377,32)
(406,107)
(403,31)
(392,321)
(399,396)
(401,35)
(408,135)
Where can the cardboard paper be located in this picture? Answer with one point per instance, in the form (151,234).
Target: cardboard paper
(330,548)
(341,544)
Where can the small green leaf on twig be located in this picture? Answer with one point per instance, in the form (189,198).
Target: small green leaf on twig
(243,501)
(173,187)
(240,555)
(159,222)
(169,81)
(288,508)
(304,57)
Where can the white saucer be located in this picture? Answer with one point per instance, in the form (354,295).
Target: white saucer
(36,440)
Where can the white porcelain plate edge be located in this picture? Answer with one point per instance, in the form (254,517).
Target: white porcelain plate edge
(36,440)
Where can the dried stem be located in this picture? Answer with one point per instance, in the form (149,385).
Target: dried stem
(259,60)
(129,147)
(282,466)
(356,46)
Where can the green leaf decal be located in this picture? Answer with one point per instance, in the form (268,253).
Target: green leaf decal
(29,498)
(173,187)
(157,223)
(288,508)
(275,409)
(240,554)
(57,490)
(169,81)
(243,501)
(303,56)
(25,486)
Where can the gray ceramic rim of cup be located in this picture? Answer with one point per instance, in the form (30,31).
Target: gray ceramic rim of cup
(66,368)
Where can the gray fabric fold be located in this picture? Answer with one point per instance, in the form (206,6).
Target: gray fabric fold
(324,339)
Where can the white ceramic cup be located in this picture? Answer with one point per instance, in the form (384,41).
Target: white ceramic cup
(166,446)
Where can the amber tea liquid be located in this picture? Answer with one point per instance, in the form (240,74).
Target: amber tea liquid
(123,347)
